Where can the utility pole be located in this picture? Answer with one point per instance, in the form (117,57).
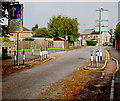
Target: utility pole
(100,34)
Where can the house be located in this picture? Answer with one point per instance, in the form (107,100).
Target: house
(91,34)
(27,33)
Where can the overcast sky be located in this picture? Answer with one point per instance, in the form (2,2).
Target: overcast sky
(41,12)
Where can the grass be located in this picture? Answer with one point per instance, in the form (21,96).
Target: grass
(9,55)
(29,50)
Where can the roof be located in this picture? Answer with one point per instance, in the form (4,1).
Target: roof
(87,31)
(26,29)
(59,38)
(95,32)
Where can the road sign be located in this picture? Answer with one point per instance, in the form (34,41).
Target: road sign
(15,18)
(16,12)
(66,37)
(15,26)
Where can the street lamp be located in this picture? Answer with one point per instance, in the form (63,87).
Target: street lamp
(100,18)
(100,34)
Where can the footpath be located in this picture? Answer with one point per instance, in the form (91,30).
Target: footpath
(116,54)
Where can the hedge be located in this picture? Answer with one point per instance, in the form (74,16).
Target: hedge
(91,42)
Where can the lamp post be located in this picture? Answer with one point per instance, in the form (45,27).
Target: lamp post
(100,34)
(100,17)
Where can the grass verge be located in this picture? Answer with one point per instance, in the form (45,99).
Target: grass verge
(29,50)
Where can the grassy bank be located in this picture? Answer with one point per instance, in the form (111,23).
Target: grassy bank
(29,50)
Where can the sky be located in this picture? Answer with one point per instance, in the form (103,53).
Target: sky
(41,12)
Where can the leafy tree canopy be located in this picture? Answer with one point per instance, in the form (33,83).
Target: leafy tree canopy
(35,27)
(42,32)
(58,26)
(61,26)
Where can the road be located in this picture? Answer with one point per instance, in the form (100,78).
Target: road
(29,83)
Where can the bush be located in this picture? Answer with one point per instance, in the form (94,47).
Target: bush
(5,40)
(28,39)
(91,42)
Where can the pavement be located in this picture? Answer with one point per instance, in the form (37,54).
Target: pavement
(116,54)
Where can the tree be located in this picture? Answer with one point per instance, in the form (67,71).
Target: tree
(35,27)
(41,32)
(4,11)
(60,26)
(117,31)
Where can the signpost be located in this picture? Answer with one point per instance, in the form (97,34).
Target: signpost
(15,18)
(15,21)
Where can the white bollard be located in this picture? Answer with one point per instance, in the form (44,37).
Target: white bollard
(91,58)
(63,47)
(41,55)
(98,55)
(23,57)
(101,55)
(96,58)
(15,58)
(32,51)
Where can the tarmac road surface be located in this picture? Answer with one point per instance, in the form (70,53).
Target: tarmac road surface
(29,83)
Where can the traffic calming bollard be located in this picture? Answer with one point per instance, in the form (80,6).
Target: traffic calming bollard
(91,58)
(63,46)
(32,51)
(41,55)
(23,57)
(100,55)
(46,52)
(96,58)
(15,58)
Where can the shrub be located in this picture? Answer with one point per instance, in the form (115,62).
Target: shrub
(91,42)
(5,40)
(28,39)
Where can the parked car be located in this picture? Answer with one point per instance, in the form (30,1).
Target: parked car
(109,44)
